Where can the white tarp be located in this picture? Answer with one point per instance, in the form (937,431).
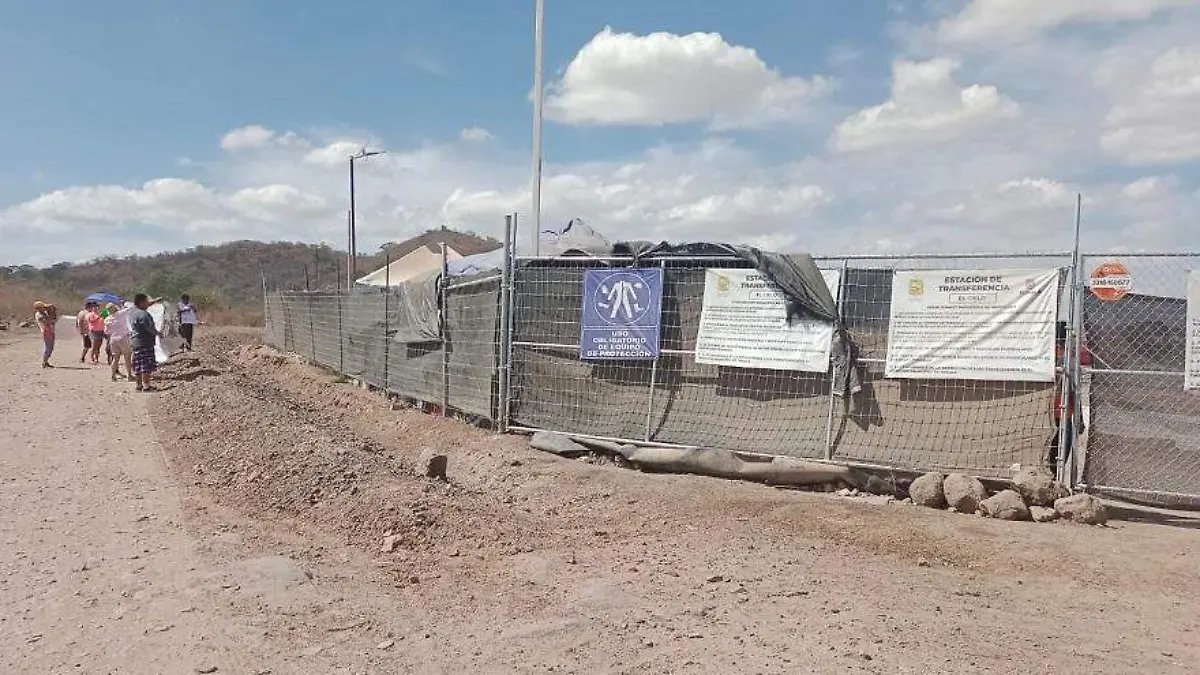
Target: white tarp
(973,325)
(743,323)
(1191,370)
(164,346)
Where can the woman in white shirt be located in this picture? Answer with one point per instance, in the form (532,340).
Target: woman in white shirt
(188,319)
(117,327)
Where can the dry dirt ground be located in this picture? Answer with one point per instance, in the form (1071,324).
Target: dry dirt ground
(233,524)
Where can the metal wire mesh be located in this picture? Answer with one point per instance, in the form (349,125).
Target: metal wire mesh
(357,334)
(983,427)
(1142,429)
(1144,436)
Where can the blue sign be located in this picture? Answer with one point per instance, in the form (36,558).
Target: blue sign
(622,314)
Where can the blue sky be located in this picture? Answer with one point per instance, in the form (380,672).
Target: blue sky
(858,126)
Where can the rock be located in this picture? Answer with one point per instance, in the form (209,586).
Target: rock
(881,485)
(386,644)
(927,491)
(25,324)
(963,492)
(432,464)
(1082,508)
(1005,505)
(1036,486)
(1043,514)
(390,543)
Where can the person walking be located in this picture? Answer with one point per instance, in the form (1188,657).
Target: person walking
(119,336)
(81,326)
(188,320)
(46,316)
(144,334)
(95,327)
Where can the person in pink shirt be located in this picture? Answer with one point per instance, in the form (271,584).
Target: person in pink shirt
(95,327)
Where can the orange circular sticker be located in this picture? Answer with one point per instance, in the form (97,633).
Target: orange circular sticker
(1111,281)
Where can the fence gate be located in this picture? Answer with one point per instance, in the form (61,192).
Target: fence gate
(1144,438)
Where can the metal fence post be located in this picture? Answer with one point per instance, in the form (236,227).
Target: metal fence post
(387,337)
(662,265)
(444,319)
(502,332)
(1074,344)
(1066,390)
(312,329)
(510,329)
(840,302)
(268,329)
(341,311)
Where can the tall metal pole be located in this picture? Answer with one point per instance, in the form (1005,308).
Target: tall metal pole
(349,251)
(353,266)
(538,96)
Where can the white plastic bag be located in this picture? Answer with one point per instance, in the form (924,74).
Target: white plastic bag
(170,343)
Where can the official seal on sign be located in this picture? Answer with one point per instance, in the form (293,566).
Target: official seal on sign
(1111,281)
(916,287)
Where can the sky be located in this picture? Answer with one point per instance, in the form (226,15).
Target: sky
(862,126)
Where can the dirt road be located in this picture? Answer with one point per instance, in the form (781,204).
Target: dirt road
(235,522)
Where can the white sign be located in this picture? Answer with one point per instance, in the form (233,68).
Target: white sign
(1191,370)
(973,325)
(744,324)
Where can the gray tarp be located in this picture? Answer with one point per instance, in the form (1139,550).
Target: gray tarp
(416,307)
(796,275)
(415,312)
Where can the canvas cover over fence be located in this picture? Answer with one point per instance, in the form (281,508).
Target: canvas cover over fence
(982,427)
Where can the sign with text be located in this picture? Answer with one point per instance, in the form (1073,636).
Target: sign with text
(622,314)
(973,325)
(1191,370)
(744,323)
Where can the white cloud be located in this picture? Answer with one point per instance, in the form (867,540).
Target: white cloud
(1016,20)
(1154,118)
(475,134)
(278,203)
(1149,188)
(927,106)
(247,138)
(664,78)
(334,154)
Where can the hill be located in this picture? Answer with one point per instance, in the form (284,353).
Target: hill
(226,280)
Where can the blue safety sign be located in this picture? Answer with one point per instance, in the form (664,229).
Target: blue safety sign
(622,314)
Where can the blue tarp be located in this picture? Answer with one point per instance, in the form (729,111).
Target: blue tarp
(105,298)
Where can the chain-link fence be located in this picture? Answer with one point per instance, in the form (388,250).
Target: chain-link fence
(1144,437)
(976,426)
(366,335)
(508,350)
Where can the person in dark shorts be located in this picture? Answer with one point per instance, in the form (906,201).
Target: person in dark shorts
(81,326)
(188,320)
(143,337)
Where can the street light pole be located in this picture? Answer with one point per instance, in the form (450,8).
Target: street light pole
(352,254)
(538,96)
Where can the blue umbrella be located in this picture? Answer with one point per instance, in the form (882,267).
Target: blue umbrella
(105,298)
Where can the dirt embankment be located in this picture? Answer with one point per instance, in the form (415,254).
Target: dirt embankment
(526,562)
